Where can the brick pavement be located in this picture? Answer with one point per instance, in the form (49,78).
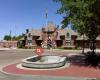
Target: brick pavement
(72,71)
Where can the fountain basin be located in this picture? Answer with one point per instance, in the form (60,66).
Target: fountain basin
(44,61)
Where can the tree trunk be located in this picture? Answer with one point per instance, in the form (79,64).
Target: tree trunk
(83,45)
(93,45)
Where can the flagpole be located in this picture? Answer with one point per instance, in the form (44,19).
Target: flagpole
(10,35)
(46,16)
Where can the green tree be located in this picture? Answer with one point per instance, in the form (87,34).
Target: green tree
(84,14)
(13,38)
(16,38)
(7,37)
(20,36)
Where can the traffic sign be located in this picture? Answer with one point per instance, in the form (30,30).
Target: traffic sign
(39,51)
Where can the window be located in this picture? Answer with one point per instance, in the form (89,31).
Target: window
(29,37)
(67,43)
(29,42)
(67,35)
(67,39)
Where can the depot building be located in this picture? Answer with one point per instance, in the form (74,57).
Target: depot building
(64,38)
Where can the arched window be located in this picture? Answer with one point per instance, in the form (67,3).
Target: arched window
(68,35)
(29,39)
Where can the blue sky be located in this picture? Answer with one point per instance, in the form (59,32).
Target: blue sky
(18,15)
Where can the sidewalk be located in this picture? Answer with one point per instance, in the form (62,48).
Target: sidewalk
(63,50)
(4,49)
(53,50)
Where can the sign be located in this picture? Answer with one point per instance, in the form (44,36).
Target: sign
(39,51)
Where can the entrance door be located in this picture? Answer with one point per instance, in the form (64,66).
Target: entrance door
(59,43)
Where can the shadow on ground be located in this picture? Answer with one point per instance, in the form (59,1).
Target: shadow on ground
(85,60)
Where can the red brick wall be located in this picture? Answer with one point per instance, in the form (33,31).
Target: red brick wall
(72,40)
(98,43)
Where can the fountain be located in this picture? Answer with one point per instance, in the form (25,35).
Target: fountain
(44,61)
(40,61)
